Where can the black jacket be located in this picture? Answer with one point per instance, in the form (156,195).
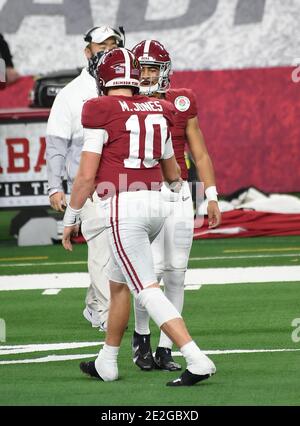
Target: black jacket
(5,52)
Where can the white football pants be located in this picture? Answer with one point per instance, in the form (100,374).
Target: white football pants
(171,250)
(93,230)
(134,219)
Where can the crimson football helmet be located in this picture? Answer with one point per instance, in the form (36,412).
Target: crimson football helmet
(151,52)
(119,67)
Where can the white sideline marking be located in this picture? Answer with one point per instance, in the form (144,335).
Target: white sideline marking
(19,349)
(51,358)
(257,274)
(199,276)
(44,281)
(51,291)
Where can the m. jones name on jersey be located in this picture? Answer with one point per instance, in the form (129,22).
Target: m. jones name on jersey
(142,106)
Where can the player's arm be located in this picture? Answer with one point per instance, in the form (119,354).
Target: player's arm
(204,169)
(58,138)
(169,166)
(84,181)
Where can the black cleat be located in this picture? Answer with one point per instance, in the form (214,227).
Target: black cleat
(164,361)
(188,379)
(90,369)
(142,352)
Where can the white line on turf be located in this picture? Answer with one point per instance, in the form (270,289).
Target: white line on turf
(51,358)
(51,291)
(197,276)
(257,256)
(81,262)
(40,347)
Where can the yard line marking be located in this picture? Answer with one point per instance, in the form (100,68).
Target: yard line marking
(51,358)
(42,347)
(75,262)
(244,257)
(6,259)
(241,351)
(197,276)
(192,287)
(51,291)
(84,262)
(260,250)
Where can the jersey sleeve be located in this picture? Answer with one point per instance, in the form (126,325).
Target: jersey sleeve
(95,113)
(193,110)
(169,112)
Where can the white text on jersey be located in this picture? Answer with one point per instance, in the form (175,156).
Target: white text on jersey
(143,106)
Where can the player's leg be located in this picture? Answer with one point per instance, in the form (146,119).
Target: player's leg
(165,315)
(105,367)
(98,293)
(132,251)
(178,228)
(141,346)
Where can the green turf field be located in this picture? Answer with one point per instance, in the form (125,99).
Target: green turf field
(220,318)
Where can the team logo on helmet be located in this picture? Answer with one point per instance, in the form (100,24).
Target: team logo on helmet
(182,103)
(135,63)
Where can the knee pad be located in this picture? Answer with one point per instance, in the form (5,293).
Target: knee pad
(158,306)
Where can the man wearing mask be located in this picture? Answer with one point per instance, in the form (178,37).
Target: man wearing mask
(64,141)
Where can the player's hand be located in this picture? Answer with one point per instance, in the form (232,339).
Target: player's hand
(69,231)
(214,214)
(58,201)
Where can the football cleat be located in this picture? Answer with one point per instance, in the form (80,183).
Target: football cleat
(189,379)
(164,361)
(142,352)
(89,369)
(94,318)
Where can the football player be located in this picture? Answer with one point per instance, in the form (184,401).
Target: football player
(126,139)
(64,142)
(171,248)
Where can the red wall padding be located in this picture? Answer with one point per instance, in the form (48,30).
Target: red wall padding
(251,123)
(250,119)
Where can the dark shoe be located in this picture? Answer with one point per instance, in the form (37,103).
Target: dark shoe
(188,379)
(90,369)
(142,352)
(164,361)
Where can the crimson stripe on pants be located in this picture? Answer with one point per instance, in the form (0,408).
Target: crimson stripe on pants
(122,249)
(116,244)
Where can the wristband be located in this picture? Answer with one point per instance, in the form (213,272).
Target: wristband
(211,193)
(71,216)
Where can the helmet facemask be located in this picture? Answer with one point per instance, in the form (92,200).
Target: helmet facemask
(163,82)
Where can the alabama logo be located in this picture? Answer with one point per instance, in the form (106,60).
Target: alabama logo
(182,103)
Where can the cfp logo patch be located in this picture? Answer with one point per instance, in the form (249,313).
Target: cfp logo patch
(182,103)
(2,330)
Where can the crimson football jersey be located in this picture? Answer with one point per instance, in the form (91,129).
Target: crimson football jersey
(185,104)
(138,129)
